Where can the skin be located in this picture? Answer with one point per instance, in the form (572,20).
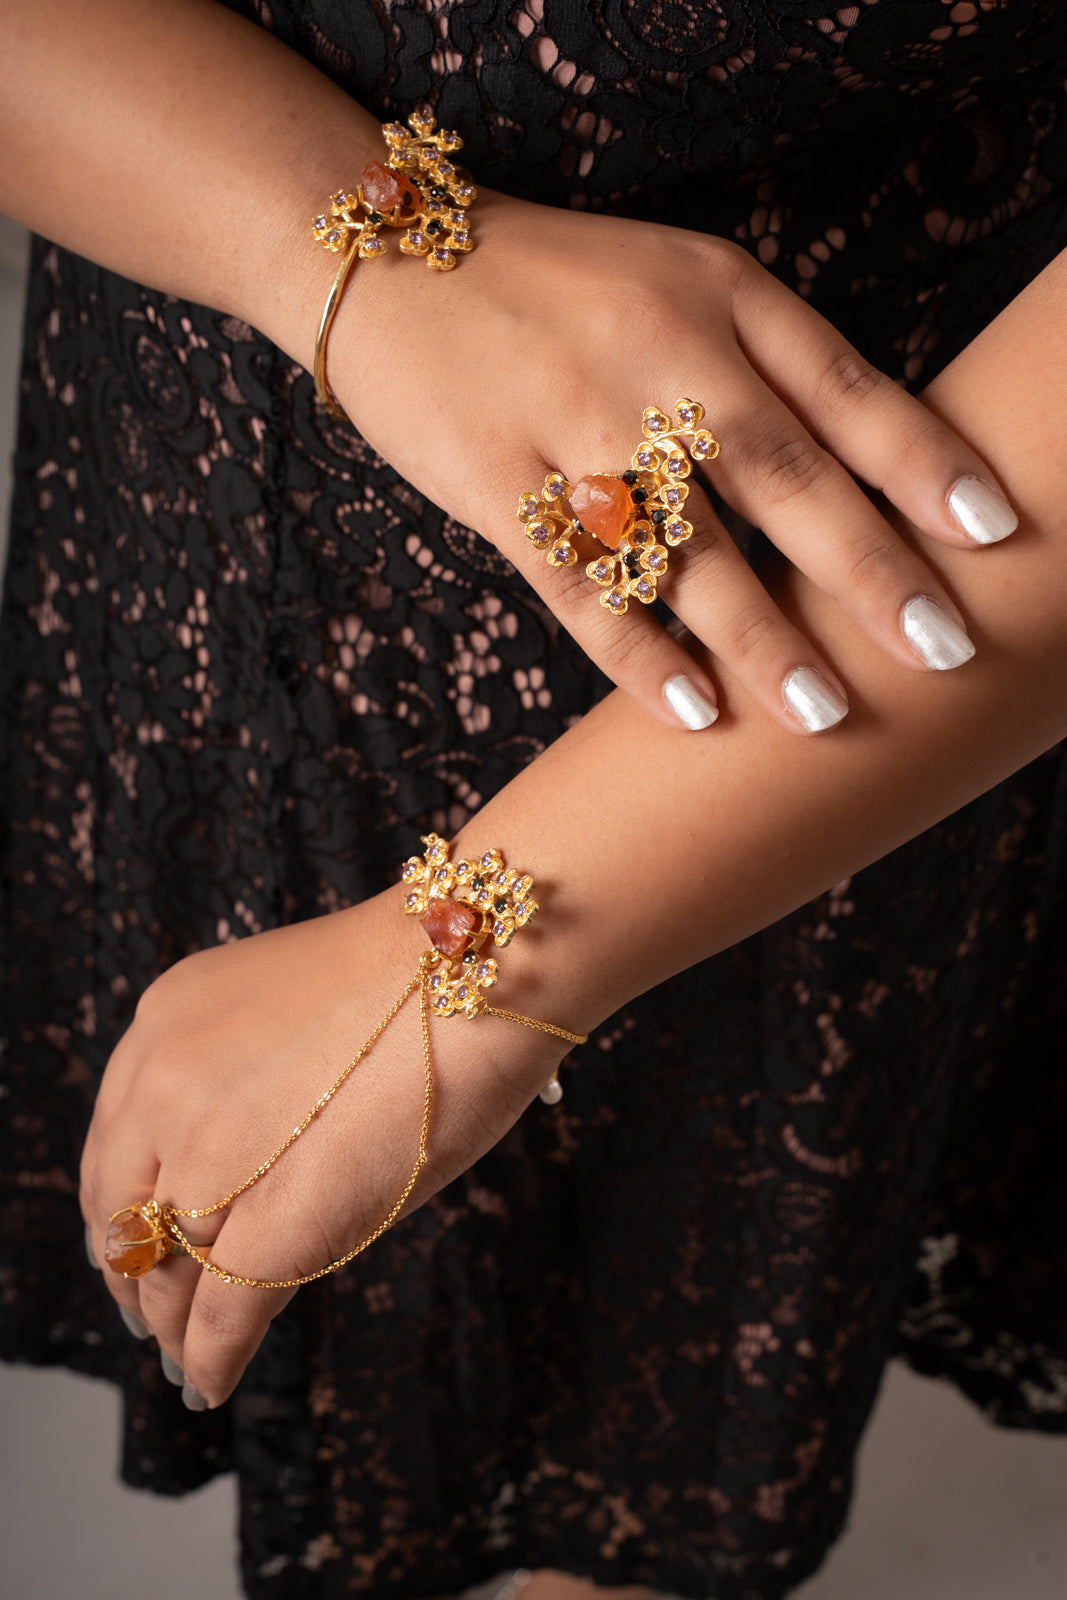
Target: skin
(159,139)
(230,1043)
(165,169)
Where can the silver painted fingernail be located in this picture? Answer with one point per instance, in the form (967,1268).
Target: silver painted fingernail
(688,704)
(982,511)
(171,1370)
(89,1251)
(135,1325)
(934,636)
(192,1399)
(813,700)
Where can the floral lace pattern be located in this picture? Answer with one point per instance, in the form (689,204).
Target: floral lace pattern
(245,666)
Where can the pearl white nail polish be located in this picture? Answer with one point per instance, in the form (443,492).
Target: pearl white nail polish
(688,704)
(171,1370)
(192,1399)
(89,1251)
(934,636)
(813,700)
(983,513)
(133,1324)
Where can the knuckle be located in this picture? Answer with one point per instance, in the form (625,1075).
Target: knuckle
(629,652)
(218,1320)
(787,465)
(870,562)
(750,631)
(923,436)
(160,1291)
(569,594)
(849,380)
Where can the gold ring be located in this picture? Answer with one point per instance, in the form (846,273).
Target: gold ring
(139,1238)
(637,514)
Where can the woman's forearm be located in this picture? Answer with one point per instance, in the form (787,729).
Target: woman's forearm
(655,849)
(179,145)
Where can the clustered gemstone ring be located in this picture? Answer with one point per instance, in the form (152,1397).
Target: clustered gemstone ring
(638,515)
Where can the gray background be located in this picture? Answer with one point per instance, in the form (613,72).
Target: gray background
(948,1508)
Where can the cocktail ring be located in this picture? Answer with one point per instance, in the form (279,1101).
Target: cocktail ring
(637,514)
(138,1239)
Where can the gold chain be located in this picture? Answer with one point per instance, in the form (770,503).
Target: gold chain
(169,1214)
(533,1022)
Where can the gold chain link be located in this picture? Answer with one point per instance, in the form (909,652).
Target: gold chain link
(169,1214)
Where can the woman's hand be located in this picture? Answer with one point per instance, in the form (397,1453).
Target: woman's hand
(542,351)
(228,1051)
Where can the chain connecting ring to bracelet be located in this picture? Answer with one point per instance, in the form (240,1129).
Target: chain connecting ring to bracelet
(466,907)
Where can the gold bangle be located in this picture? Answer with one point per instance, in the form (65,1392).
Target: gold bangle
(464,906)
(329,311)
(421,191)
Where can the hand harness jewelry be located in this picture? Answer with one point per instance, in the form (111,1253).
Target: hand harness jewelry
(466,908)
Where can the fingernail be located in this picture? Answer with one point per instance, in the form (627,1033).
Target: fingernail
(192,1399)
(135,1325)
(89,1251)
(171,1370)
(982,511)
(813,700)
(933,635)
(688,704)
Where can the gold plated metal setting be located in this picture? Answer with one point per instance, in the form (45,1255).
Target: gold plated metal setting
(465,907)
(419,190)
(638,515)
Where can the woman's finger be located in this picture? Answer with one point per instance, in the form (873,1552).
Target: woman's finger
(714,591)
(118,1169)
(868,422)
(629,645)
(781,479)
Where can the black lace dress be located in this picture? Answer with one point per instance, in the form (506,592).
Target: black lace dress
(244,666)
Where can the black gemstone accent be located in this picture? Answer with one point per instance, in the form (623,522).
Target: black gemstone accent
(477,883)
(639,496)
(659,515)
(433,227)
(470,958)
(500,904)
(438,191)
(631,561)
(374,216)
(629,478)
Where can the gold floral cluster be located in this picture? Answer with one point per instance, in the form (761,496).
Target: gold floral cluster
(655,524)
(435,222)
(497,901)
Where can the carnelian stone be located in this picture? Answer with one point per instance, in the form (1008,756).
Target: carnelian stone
(384,189)
(133,1247)
(448,926)
(602,504)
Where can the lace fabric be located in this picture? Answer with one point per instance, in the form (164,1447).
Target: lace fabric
(245,664)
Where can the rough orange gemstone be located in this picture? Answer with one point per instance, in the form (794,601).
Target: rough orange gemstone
(384,189)
(602,504)
(448,926)
(133,1247)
